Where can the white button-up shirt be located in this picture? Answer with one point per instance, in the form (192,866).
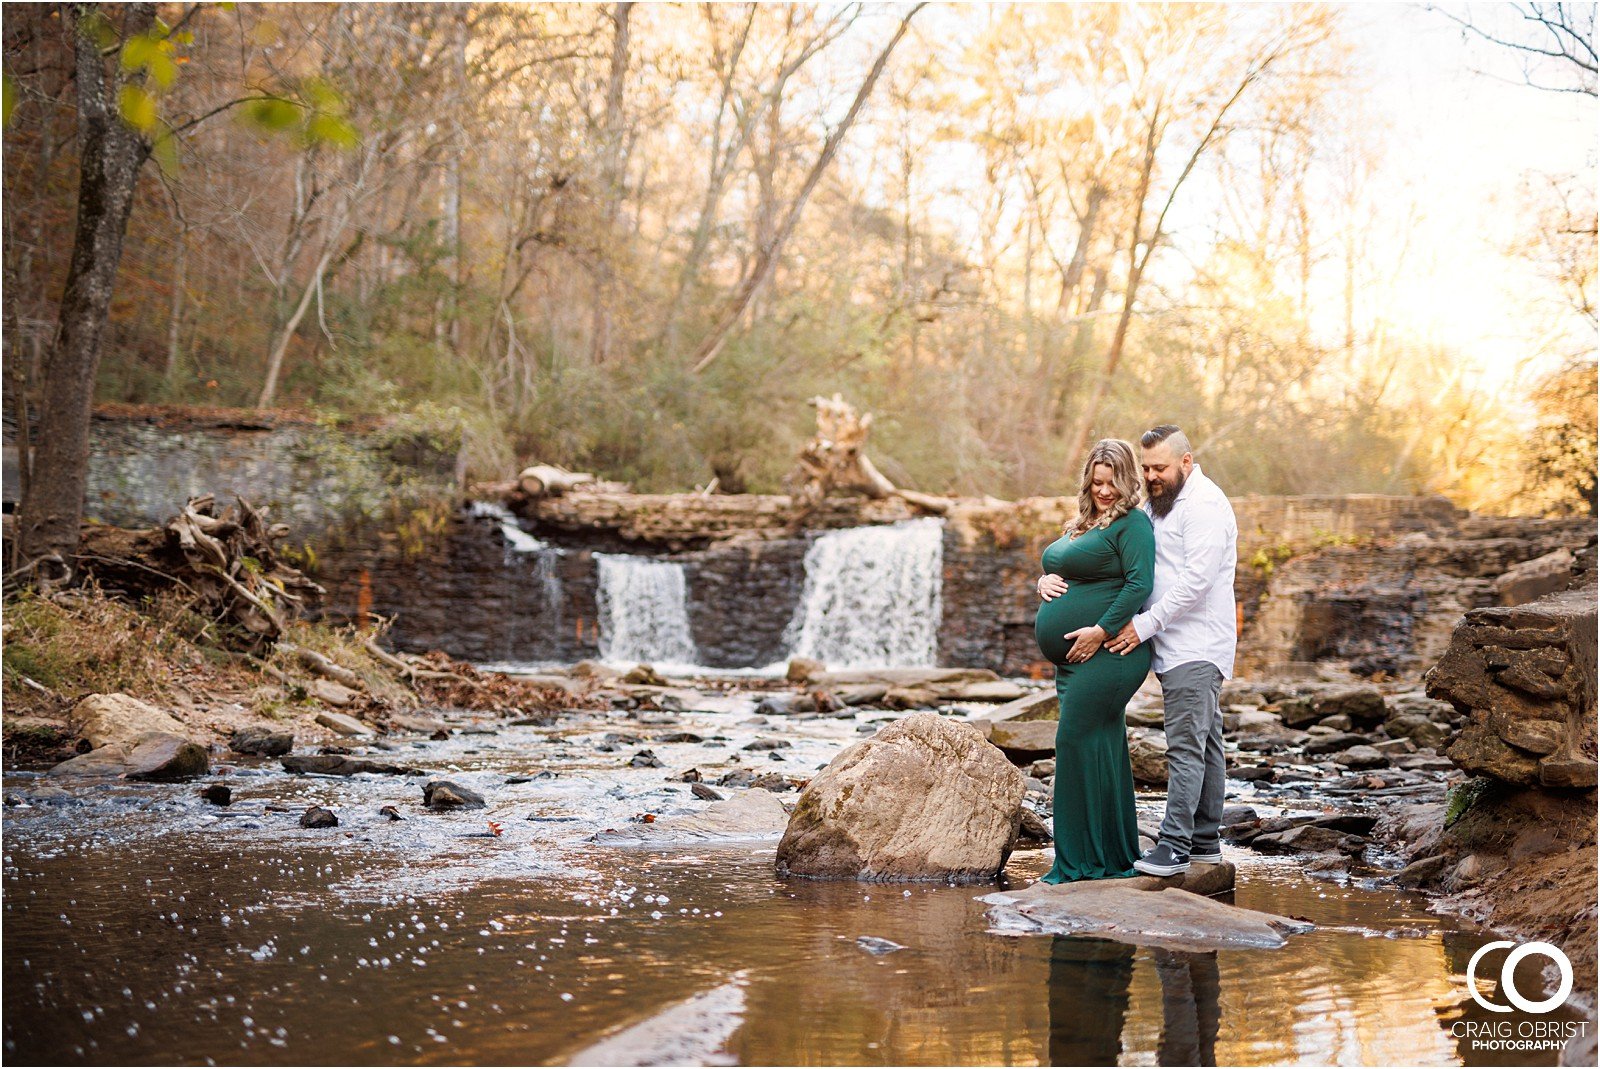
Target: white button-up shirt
(1190,612)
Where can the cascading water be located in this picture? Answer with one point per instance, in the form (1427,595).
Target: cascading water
(871,597)
(521,544)
(644,610)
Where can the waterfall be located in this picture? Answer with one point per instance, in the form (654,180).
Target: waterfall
(644,610)
(871,597)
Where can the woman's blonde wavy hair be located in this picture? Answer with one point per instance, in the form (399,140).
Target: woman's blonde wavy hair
(1118,455)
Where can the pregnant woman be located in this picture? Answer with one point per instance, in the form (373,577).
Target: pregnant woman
(1107,557)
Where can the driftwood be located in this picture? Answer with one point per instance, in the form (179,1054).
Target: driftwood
(836,459)
(227,564)
(541,480)
(323,666)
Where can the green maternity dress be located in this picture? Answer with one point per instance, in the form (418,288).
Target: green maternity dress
(1109,573)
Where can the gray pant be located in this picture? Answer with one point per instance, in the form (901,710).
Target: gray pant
(1196,779)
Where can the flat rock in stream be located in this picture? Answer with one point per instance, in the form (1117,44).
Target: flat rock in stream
(1037,705)
(157,756)
(328,764)
(752,814)
(906,677)
(1109,909)
(162,757)
(341,724)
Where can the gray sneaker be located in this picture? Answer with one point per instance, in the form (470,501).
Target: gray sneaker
(1164,859)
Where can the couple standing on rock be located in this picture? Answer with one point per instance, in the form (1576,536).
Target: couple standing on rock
(1120,580)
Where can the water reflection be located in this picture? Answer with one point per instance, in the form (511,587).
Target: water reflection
(1089,982)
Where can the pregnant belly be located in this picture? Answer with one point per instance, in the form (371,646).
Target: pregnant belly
(1082,605)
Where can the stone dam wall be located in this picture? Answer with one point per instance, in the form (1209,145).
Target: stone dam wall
(1369,584)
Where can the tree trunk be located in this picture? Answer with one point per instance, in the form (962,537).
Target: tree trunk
(612,179)
(269,389)
(1136,264)
(110,155)
(180,281)
(766,258)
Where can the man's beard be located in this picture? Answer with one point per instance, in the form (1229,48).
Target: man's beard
(1162,503)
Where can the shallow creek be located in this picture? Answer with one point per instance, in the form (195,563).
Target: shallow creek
(144,925)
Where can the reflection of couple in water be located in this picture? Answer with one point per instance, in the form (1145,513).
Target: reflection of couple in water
(1127,588)
(1089,982)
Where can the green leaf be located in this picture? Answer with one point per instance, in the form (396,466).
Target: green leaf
(137,52)
(164,150)
(162,70)
(138,108)
(273,113)
(321,95)
(330,129)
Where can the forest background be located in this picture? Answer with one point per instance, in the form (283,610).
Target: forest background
(1349,249)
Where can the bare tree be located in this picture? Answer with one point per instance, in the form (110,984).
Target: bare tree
(1554,37)
(767,255)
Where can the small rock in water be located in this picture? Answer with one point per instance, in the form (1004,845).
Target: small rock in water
(391,812)
(767,744)
(691,776)
(681,736)
(700,790)
(261,742)
(873,945)
(318,817)
(217,794)
(644,759)
(512,781)
(440,794)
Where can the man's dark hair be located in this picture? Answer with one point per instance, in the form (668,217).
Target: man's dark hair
(1157,435)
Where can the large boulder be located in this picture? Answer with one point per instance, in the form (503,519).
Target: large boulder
(104,719)
(1109,909)
(926,798)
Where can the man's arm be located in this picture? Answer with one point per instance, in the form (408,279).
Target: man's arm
(1205,549)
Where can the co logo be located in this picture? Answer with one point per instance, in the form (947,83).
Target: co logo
(1508,982)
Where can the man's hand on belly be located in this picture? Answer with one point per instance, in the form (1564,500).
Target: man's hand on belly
(1125,641)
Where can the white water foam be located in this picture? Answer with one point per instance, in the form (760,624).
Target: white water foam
(517,540)
(871,597)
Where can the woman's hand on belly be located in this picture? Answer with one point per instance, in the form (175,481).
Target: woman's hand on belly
(1051,585)
(1086,643)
